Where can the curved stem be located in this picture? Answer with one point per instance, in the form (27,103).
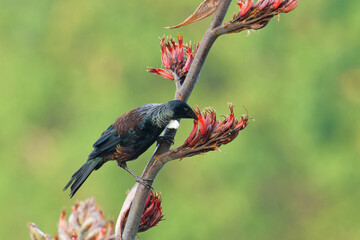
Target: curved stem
(243,25)
(154,166)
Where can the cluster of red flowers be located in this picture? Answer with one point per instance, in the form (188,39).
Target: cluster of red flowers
(153,212)
(151,216)
(208,134)
(257,15)
(266,6)
(207,129)
(176,58)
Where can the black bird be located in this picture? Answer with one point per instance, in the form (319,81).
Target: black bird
(129,136)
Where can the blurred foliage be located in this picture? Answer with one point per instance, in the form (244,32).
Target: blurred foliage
(68,69)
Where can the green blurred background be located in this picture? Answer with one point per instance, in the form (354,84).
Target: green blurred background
(69,68)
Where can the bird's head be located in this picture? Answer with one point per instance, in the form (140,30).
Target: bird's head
(181,110)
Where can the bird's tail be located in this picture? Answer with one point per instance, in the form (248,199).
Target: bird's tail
(81,175)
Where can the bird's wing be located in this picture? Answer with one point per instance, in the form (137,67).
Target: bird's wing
(106,144)
(104,136)
(123,131)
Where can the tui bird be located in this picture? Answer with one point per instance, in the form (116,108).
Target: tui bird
(129,136)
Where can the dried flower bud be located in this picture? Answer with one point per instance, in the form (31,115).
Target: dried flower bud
(37,234)
(176,58)
(85,222)
(204,10)
(257,15)
(151,216)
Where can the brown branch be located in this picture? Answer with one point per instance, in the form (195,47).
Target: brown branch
(241,26)
(154,166)
(205,9)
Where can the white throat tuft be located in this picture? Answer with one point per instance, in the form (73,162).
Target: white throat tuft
(173,124)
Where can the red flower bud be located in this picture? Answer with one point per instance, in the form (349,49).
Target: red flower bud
(290,5)
(195,140)
(189,59)
(162,73)
(277,4)
(227,123)
(202,125)
(180,49)
(245,7)
(164,56)
(193,132)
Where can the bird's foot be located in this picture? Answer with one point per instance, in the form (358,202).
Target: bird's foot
(163,139)
(146,182)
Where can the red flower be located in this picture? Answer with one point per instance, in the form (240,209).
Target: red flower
(162,73)
(176,58)
(244,7)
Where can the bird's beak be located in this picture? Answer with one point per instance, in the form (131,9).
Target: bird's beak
(193,115)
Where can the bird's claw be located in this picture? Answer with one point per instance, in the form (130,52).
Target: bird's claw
(146,182)
(162,139)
